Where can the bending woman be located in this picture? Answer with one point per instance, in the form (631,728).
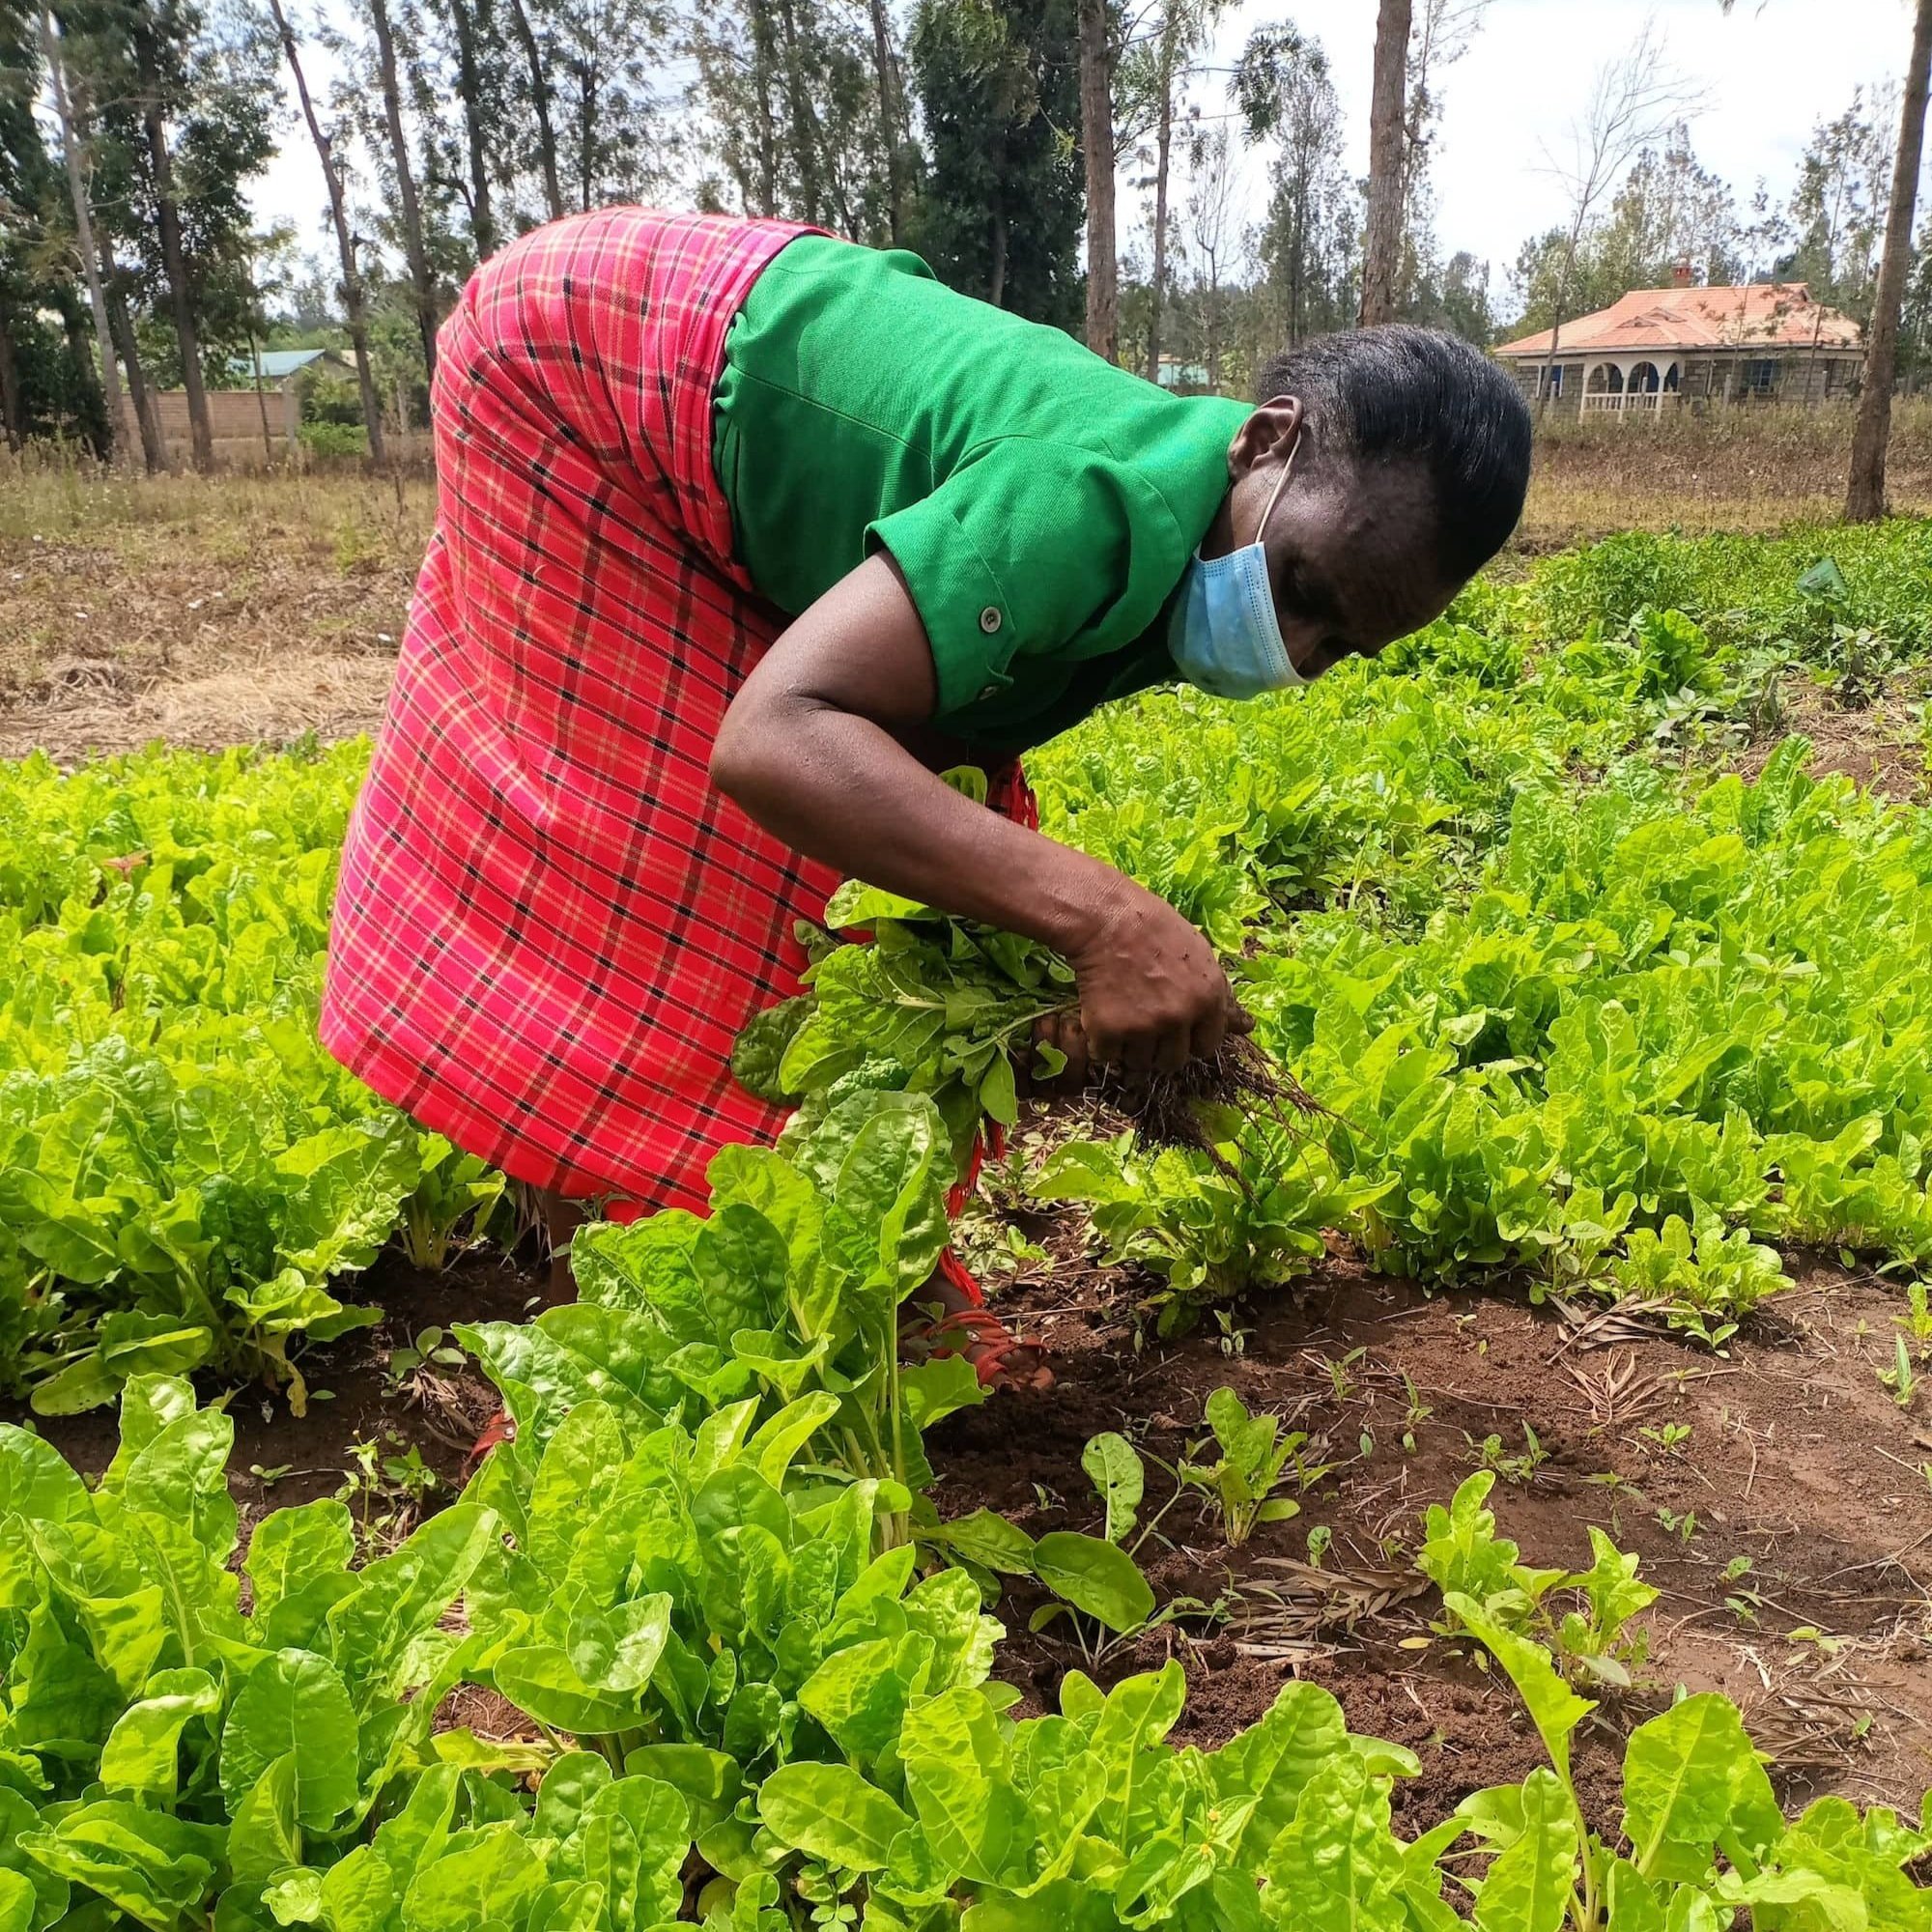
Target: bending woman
(744,534)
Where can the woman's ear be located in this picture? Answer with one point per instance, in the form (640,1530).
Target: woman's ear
(1266,436)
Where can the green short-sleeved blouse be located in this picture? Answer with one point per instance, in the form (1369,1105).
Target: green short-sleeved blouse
(1040,502)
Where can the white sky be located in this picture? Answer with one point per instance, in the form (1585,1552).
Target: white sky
(1768,70)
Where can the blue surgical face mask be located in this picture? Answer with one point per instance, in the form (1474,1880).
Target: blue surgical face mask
(1224,634)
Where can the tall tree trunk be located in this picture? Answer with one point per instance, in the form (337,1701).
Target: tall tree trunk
(892,118)
(421,282)
(1297,313)
(13,417)
(1096,139)
(1213,327)
(800,102)
(470,85)
(74,155)
(261,399)
(1163,154)
(1381,233)
(353,308)
(764,64)
(540,105)
(173,256)
(588,87)
(996,282)
(1865,496)
(80,352)
(147,419)
(1560,316)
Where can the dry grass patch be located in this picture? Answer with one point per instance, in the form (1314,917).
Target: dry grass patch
(1755,470)
(206,609)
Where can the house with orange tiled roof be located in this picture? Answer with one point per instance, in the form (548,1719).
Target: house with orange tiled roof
(1661,347)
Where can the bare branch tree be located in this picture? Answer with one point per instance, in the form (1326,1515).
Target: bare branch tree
(1184,25)
(1635,100)
(1215,238)
(1441,33)
(422,281)
(174,245)
(1096,140)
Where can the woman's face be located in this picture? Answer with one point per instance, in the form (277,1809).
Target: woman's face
(1351,548)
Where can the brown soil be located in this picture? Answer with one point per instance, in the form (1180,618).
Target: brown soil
(281,1458)
(1798,1460)
(1880,746)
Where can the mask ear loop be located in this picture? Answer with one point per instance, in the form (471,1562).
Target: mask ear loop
(1274,496)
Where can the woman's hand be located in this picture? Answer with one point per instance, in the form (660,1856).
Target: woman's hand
(1152,994)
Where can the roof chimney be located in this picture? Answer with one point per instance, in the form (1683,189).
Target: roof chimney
(1681,275)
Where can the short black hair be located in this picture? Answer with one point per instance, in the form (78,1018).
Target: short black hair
(1396,392)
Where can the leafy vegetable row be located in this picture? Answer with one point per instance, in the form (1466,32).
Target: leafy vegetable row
(756,1702)
(183,1172)
(186,1178)
(1576,1010)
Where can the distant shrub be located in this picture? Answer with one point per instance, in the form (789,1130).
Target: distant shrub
(330,399)
(334,438)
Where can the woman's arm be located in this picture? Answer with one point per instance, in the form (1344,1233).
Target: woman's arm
(807,750)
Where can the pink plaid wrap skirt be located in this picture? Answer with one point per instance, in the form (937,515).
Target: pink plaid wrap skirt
(550,927)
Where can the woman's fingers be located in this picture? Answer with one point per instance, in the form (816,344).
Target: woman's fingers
(1153,992)
(1211,1031)
(1174,1049)
(1072,1042)
(1064,1033)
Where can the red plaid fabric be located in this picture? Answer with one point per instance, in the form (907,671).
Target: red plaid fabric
(550,928)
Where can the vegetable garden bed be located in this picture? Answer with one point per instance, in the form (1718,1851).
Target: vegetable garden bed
(1788,1464)
(1604,1038)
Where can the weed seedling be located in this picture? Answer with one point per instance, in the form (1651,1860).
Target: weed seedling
(1743,1602)
(429,1346)
(1339,1378)
(1681,1526)
(1233,1339)
(1513,1466)
(1902,1378)
(1669,1439)
(1418,1411)
(1254,1455)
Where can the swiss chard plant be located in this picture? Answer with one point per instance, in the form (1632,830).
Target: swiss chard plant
(1701,1841)
(746,1709)
(185,1177)
(927,1005)
(172,1759)
(791,1288)
(1586,1616)
(1207,1228)
(1253,1458)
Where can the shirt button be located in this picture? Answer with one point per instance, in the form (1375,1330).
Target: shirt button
(990,620)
